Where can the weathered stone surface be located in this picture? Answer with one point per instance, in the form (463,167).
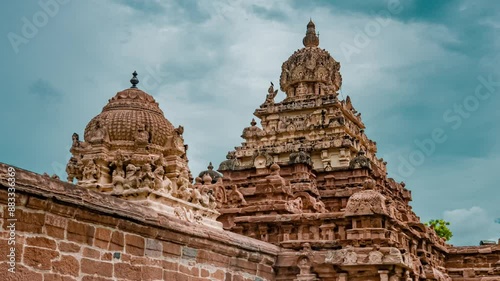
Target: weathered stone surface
(304,198)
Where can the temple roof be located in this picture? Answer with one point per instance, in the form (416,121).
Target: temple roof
(129,113)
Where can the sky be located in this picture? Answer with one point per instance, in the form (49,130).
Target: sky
(424,74)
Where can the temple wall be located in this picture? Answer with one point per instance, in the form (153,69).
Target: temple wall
(64,232)
(474,263)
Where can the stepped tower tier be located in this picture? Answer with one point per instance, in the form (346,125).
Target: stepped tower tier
(307,178)
(311,121)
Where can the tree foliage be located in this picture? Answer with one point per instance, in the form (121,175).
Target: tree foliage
(441,228)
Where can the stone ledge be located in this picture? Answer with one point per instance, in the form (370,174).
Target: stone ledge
(36,185)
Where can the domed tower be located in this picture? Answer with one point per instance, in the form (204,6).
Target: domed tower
(132,151)
(310,71)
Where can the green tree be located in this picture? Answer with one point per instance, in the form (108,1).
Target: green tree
(441,228)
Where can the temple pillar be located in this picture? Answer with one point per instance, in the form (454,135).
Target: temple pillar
(343,276)
(287,229)
(384,275)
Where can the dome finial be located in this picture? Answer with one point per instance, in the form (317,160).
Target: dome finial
(210,166)
(134,80)
(311,39)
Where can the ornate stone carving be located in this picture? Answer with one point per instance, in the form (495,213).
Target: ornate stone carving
(360,161)
(235,198)
(214,176)
(132,151)
(300,157)
(262,159)
(271,94)
(231,163)
(366,202)
(74,169)
(310,65)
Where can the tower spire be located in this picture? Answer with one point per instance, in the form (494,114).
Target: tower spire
(134,80)
(311,39)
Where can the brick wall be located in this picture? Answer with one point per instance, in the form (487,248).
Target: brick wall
(64,232)
(472,263)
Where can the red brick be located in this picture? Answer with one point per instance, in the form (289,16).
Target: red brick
(192,271)
(55,232)
(134,245)
(21,273)
(142,230)
(248,266)
(169,275)
(102,237)
(100,268)
(127,271)
(29,221)
(218,274)
(151,273)
(173,266)
(39,258)
(95,278)
(171,249)
(80,232)
(37,203)
(87,216)
(153,248)
(56,221)
(66,265)
(56,277)
(212,258)
(62,210)
(91,253)
(106,256)
(41,242)
(69,247)
(204,273)
(4,196)
(55,226)
(117,241)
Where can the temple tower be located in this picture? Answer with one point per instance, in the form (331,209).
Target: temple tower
(130,150)
(308,179)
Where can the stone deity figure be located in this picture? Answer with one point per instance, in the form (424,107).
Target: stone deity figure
(130,177)
(161,182)
(271,94)
(235,198)
(142,136)
(118,178)
(301,90)
(73,169)
(100,133)
(90,172)
(75,139)
(147,176)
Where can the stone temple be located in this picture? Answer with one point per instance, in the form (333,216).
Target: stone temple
(304,198)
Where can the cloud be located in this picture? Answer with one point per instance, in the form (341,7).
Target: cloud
(44,90)
(473,224)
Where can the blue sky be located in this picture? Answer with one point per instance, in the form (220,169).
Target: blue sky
(417,70)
